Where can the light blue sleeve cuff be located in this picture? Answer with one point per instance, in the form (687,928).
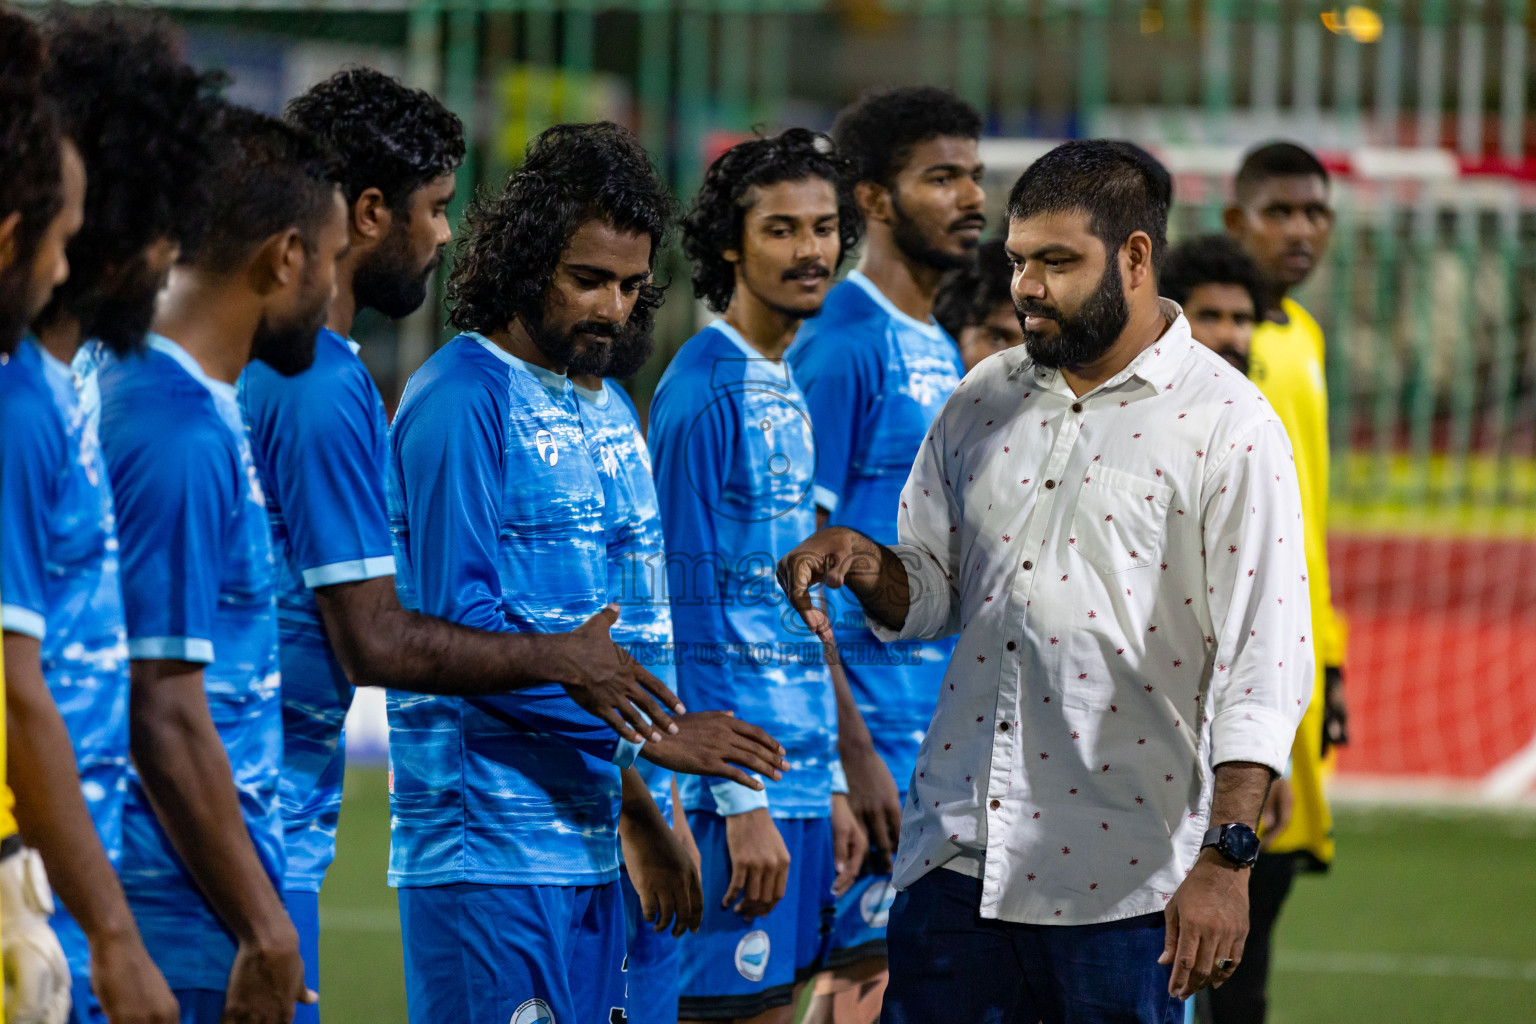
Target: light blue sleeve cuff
(349,572)
(171,648)
(625,753)
(16,619)
(732,798)
(839,778)
(824,497)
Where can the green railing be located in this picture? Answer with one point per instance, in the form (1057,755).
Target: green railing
(1427,293)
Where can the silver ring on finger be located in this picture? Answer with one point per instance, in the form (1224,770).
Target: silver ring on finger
(1225,964)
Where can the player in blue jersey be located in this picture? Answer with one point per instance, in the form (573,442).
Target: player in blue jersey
(506,808)
(116,76)
(975,306)
(319,443)
(734,460)
(876,370)
(202,833)
(637,584)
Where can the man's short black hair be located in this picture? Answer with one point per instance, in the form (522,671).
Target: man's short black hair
(1116,188)
(31,172)
(266,176)
(1276,160)
(511,245)
(141,117)
(388,136)
(714,224)
(1212,259)
(877,133)
(968,296)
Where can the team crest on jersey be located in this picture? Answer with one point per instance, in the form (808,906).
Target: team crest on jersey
(549,452)
(752,955)
(610,460)
(876,902)
(534,1011)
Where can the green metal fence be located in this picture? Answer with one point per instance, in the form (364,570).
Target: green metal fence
(1426,297)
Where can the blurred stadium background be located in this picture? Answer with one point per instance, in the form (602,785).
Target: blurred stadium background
(1428,298)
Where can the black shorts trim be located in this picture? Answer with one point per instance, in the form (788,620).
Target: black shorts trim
(874,949)
(733,1007)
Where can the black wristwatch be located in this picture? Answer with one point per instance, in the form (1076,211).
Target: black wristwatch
(1236,842)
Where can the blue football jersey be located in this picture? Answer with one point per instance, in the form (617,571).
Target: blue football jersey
(874,380)
(636,552)
(198,587)
(60,580)
(735,465)
(319,439)
(497,515)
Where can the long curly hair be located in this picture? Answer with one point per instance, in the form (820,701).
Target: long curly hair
(142,118)
(30,172)
(511,243)
(390,137)
(714,225)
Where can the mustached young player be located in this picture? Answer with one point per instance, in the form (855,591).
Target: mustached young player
(202,829)
(142,116)
(637,584)
(734,456)
(876,370)
(507,808)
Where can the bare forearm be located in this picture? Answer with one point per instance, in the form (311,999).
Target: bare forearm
(879,581)
(50,809)
(638,813)
(1240,789)
(185,772)
(422,654)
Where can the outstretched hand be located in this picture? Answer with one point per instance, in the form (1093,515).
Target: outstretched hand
(607,681)
(717,743)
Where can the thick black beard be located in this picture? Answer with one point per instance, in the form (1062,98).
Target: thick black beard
(1083,337)
(387,281)
(561,349)
(630,351)
(910,241)
(290,348)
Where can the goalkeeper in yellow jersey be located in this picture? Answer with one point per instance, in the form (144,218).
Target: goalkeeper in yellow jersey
(1281,219)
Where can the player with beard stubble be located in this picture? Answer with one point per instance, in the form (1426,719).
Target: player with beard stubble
(202,829)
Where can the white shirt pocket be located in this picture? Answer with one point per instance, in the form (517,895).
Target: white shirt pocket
(1120,520)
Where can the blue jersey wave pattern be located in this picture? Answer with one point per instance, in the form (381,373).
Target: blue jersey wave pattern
(497,514)
(198,587)
(735,463)
(874,379)
(636,550)
(60,580)
(319,440)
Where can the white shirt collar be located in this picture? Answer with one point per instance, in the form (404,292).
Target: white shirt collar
(556,383)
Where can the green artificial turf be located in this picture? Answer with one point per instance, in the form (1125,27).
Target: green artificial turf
(1426,918)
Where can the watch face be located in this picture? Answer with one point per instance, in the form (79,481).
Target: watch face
(1240,843)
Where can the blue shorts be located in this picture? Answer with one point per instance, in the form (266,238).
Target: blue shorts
(83,1007)
(650,965)
(862,913)
(513,954)
(200,1005)
(948,963)
(304,912)
(733,967)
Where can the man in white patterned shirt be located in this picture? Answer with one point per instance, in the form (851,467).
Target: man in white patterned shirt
(1109,518)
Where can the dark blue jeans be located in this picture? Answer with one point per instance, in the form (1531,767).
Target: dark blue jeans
(948,964)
